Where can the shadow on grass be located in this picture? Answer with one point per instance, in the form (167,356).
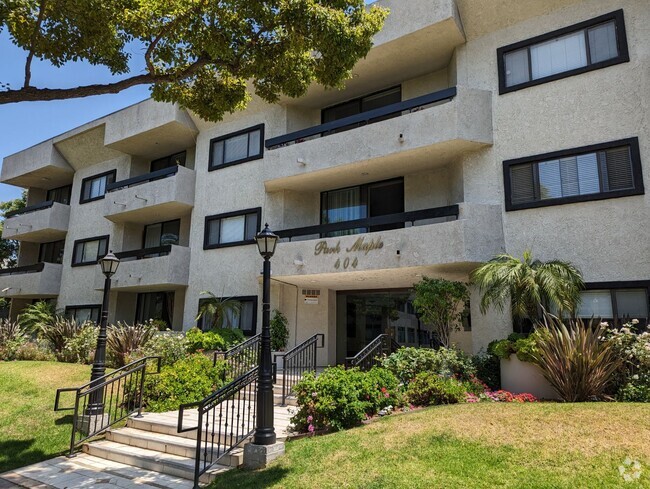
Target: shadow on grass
(248,478)
(66,419)
(18,453)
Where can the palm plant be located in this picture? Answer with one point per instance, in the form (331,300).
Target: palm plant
(528,284)
(219,310)
(37,316)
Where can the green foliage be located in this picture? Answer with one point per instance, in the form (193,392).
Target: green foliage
(124,339)
(341,398)
(633,376)
(219,339)
(81,347)
(34,351)
(488,370)
(218,311)
(12,337)
(9,247)
(170,346)
(429,389)
(188,380)
(527,284)
(440,303)
(524,346)
(59,332)
(279,331)
(37,316)
(406,363)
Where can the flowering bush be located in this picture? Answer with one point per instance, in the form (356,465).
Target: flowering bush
(171,346)
(406,363)
(428,389)
(633,377)
(81,347)
(37,351)
(12,337)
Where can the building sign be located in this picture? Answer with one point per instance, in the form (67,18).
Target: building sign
(350,258)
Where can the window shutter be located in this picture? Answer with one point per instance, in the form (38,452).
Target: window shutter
(619,169)
(522,183)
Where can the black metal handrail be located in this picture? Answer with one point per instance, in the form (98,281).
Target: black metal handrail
(122,395)
(140,179)
(224,420)
(144,253)
(400,218)
(295,362)
(370,355)
(240,358)
(362,118)
(37,267)
(30,208)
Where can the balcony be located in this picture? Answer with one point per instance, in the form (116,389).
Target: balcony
(451,239)
(150,269)
(41,280)
(164,194)
(419,134)
(39,223)
(40,166)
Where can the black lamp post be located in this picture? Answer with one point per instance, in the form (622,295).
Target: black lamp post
(109,265)
(264,430)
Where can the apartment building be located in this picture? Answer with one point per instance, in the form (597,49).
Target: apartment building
(471,129)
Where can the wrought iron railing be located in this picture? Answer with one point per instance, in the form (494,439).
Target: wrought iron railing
(369,117)
(223,420)
(30,208)
(121,394)
(240,358)
(153,252)
(371,354)
(300,359)
(37,267)
(141,179)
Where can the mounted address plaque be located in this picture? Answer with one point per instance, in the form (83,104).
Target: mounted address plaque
(311,296)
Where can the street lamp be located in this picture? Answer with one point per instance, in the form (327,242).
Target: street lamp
(109,265)
(264,430)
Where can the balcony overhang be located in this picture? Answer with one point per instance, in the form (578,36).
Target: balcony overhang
(38,224)
(40,166)
(42,280)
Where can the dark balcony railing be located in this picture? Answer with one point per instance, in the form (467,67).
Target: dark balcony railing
(30,208)
(144,253)
(370,222)
(37,267)
(141,179)
(364,118)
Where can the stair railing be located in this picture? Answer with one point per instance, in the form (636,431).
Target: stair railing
(240,358)
(295,362)
(371,354)
(224,420)
(122,396)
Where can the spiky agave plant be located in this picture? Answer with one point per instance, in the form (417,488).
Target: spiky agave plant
(123,339)
(59,331)
(575,358)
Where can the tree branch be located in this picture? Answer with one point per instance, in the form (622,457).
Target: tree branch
(30,56)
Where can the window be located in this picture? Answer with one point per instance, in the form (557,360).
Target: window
(596,172)
(360,105)
(371,200)
(83,313)
(60,194)
(232,229)
(51,252)
(94,188)
(161,233)
(245,319)
(239,147)
(177,159)
(88,251)
(583,47)
(617,302)
(155,305)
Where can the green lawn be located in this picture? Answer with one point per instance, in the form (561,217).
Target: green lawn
(30,430)
(470,446)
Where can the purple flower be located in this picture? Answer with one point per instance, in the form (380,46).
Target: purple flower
(310,418)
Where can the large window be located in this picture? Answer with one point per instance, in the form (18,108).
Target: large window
(589,173)
(94,188)
(616,303)
(60,194)
(587,46)
(232,229)
(161,233)
(360,105)
(83,313)
(51,252)
(371,200)
(245,319)
(177,159)
(155,305)
(88,251)
(238,147)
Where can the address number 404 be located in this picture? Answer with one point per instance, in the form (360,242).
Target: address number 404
(346,263)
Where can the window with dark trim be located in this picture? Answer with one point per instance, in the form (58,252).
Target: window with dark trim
(362,104)
(60,194)
(51,252)
(590,45)
(158,306)
(177,159)
(601,171)
(83,313)
(238,147)
(232,228)
(246,319)
(88,251)
(161,233)
(94,188)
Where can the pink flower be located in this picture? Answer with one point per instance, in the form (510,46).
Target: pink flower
(310,418)
(311,428)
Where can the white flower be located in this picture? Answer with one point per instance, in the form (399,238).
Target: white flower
(635,321)
(621,469)
(627,477)
(636,465)
(627,461)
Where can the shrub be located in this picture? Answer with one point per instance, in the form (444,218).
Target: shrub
(81,347)
(59,331)
(188,380)
(34,351)
(36,316)
(488,369)
(220,339)
(633,376)
(406,363)
(124,339)
(12,337)
(279,331)
(518,344)
(428,388)
(170,346)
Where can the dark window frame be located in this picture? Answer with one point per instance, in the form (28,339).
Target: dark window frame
(168,159)
(215,217)
(85,306)
(40,251)
(359,100)
(67,187)
(621,41)
(617,285)
(241,298)
(637,175)
(225,137)
(138,306)
(144,230)
(94,177)
(85,240)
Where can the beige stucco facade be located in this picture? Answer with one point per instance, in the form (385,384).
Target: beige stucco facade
(447,153)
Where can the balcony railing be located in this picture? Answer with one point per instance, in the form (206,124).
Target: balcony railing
(37,267)
(144,253)
(141,179)
(402,218)
(369,117)
(30,208)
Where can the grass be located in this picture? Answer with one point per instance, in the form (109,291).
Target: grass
(483,445)
(30,430)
